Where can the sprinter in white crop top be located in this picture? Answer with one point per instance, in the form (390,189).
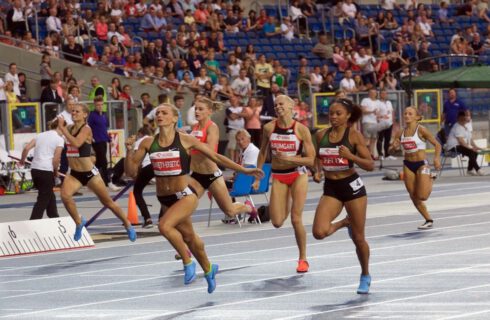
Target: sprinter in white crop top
(416,170)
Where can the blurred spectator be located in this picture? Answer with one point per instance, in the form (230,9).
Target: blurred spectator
(426,28)
(242,86)
(476,44)
(269,27)
(460,140)
(45,71)
(250,52)
(385,117)
(234,67)
(482,10)
(316,79)
(157,5)
(99,124)
(201,79)
(73,51)
(347,84)
(101,28)
(389,82)
(370,109)
(53,23)
(323,49)
(50,95)
(263,74)
(339,59)
(287,28)
(349,9)
(212,67)
(222,90)
(97,90)
(147,106)
(452,106)
(328,84)
(423,53)
(126,96)
(91,57)
(117,12)
(278,78)
(12,76)
(189,18)
(366,63)
(251,114)
(160,21)
(74,93)
(23,87)
(115,89)
(10,95)
(235,121)
(252,21)
(249,152)
(141,8)
(443,13)
(359,83)
(232,23)
(201,14)
(16,20)
(389,5)
(268,112)
(130,9)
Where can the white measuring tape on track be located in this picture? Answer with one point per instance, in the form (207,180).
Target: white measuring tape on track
(34,236)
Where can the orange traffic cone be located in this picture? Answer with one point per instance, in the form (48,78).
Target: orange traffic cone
(132,210)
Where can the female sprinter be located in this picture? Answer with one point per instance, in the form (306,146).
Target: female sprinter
(169,156)
(83,172)
(292,149)
(417,176)
(204,170)
(339,147)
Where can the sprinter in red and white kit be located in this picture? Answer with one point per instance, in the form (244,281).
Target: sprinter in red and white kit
(292,151)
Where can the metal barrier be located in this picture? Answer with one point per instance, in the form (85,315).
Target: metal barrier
(49,111)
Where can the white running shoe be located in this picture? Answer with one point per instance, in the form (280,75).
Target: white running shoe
(428,224)
(113,187)
(471,173)
(390,158)
(481,173)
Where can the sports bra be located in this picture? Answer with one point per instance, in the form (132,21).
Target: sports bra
(169,161)
(412,144)
(285,141)
(83,151)
(202,135)
(328,152)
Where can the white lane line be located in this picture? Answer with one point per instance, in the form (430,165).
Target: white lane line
(232,232)
(275,249)
(132,298)
(330,289)
(466,315)
(252,239)
(364,305)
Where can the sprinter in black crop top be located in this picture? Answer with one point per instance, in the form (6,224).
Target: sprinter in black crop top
(83,172)
(338,149)
(169,155)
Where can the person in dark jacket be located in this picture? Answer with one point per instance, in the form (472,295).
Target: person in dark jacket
(50,95)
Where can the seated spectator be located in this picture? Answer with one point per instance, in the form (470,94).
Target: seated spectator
(389,5)
(349,9)
(366,34)
(270,27)
(201,14)
(422,54)
(390,22)
(482,10)
(366,62)
(73,51)
(117,12)
(148,23)
(466,9)
(328,85)
(252,21)
(189,18)
(222,90)
(389,82)
(232,23)
(91,57)
(359,83)
(23,88)
(126,96)
(212,66)
(157,5)
(323,49)
(53,23)
(101,28)
(46,71)
(160,21)
(175,9)
(130,9)
(460,140)
(425,27)
(443,13)
(146,106)
(347,84)
(287,28)
(316,79)
(141,8)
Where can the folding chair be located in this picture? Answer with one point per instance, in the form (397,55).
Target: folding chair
(452,154)
(264,183)
(242,186)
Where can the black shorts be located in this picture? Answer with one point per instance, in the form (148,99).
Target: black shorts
(205,180)
(170,200)
(414,165)
(345,189)
(85,176)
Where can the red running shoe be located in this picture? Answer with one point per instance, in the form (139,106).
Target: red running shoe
(303,266)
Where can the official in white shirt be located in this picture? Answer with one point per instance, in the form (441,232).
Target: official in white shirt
(44,167)
(370,107)
(385,125)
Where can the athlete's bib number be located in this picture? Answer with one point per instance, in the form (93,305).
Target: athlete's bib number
(356,184)
(331,161)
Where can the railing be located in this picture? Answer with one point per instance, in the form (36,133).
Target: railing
(117,112)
